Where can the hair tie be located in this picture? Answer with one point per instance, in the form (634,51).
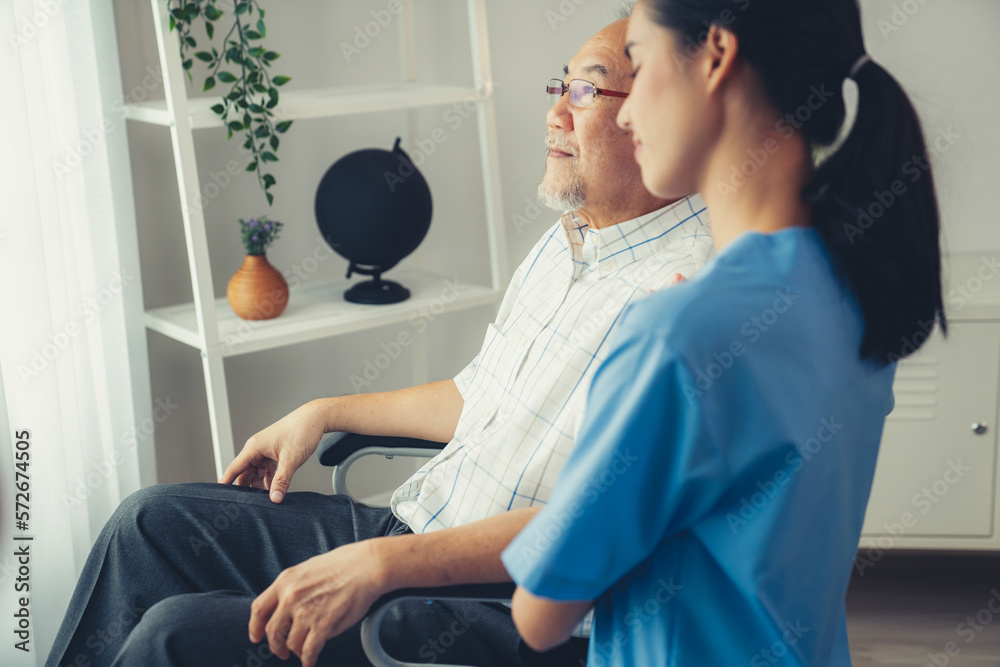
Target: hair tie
(858,64)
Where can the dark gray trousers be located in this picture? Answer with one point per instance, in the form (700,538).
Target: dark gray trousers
(170,580)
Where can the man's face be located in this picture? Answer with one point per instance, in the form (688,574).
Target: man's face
(590,161)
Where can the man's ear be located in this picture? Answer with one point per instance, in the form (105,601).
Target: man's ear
(720,50)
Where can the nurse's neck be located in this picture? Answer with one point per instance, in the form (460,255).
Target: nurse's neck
(754,180)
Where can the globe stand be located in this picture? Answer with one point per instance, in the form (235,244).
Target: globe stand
(375,291)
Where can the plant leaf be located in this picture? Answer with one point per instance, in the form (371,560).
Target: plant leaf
(235,126)
(268,156)
(274,141)
(252,166)
(271,55)
(204,56)
(213,13)
(252,34)
(269,180)
(209,84)
(283,126)
(281,80)
(219,109)
(270,198)
(226,77)
(210,29)
(261,28)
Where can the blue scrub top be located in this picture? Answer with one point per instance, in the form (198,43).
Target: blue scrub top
(714,501)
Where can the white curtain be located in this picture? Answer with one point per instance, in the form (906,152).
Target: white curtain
(72,346)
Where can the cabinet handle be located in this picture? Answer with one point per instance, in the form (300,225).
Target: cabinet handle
(979,428)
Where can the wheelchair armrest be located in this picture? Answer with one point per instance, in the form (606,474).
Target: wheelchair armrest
(336,448)
(467,592)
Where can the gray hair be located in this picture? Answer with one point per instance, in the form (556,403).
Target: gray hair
(625,9)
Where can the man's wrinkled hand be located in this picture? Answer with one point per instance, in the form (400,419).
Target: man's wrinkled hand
(270,457)
(316,600)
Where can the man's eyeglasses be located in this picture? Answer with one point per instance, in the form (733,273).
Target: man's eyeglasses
(581,93)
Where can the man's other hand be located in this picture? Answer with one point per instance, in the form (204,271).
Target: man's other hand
(317,599)
(270,457)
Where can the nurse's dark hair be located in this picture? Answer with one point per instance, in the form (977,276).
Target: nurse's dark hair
(872,201)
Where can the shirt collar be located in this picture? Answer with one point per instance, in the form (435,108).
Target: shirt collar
(611,248)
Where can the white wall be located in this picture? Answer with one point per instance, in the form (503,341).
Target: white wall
(944,53)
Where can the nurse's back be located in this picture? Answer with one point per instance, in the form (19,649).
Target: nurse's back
(769,337)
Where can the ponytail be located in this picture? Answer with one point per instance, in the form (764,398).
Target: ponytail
(872,201)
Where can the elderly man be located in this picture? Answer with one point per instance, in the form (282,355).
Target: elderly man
(301,569)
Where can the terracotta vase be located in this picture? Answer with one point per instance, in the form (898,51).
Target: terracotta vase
(257,291)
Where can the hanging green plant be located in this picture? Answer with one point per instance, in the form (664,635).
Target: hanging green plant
(253,93)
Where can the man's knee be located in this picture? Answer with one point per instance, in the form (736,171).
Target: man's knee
(181,630)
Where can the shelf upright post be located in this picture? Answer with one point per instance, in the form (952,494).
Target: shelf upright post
(195,236)
(408,66)
(488,142)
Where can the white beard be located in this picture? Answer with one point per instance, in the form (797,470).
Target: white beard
(569,198)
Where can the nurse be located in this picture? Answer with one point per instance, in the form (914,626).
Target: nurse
(711,510)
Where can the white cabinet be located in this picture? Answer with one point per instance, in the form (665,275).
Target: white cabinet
(935,483)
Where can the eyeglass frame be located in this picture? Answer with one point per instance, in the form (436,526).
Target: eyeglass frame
(564,88)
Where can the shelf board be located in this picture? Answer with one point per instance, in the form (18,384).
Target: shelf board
(318,310)
(316,103)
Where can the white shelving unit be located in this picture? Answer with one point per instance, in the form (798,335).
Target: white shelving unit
(316,310)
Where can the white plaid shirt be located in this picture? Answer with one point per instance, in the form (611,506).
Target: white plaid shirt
(525,392)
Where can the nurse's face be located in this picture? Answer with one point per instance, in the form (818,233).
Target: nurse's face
(668,110)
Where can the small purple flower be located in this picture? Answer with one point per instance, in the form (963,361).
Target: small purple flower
(252,223)
(255,238)
(267,227)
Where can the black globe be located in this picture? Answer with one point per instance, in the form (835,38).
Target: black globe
(374,208)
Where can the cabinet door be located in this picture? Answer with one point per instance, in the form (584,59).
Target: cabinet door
(935,473)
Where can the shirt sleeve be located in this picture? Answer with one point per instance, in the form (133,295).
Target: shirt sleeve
(644,467)
(464,378)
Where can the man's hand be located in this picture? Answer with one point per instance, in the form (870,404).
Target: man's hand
(316,600)
(270,457)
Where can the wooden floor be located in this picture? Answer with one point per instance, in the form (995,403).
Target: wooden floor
(926,611)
